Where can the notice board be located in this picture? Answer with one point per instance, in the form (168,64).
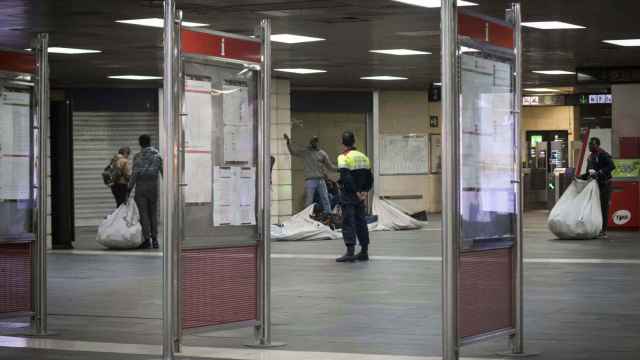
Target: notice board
(404,155)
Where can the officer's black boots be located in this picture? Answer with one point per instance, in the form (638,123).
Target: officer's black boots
(349,256)
(363,255)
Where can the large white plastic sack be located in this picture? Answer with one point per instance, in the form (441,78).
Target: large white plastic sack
(577,214)
(121,230)
(392,217)
(302,227)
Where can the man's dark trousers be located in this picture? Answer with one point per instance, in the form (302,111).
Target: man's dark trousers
(147,200)
(354,224)
(605,200)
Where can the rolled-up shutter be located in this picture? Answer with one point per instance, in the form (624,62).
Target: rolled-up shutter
(97,136)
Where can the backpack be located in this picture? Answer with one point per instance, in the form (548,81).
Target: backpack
(110,174)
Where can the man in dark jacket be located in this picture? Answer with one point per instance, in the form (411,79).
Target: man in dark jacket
(355,181)
(145,177)
(599,167)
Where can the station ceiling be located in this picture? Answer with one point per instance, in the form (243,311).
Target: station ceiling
(351,28)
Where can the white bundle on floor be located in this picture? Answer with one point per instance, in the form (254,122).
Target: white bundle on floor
(121,230)
(577,214)
(302,227)
(391,217)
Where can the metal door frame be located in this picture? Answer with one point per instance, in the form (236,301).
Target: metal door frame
(172,184)
(40,138)
(451,222)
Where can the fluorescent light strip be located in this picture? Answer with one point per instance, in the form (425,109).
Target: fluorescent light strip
(433,3)
(553,72)
(464,49)
(157,22)
(135,77)
(293,39)
(301,71)
(541,90)
(551,25)
(383,78)
(400,52)
(69,51)
(623,42)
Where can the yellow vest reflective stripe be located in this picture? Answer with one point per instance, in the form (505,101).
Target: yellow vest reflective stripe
(354,160)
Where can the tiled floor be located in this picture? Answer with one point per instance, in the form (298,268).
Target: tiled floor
(582,299)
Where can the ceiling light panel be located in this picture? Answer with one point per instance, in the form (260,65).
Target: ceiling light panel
(547,90)
(433,3)
(135,77)
(400,52)
(551,25)
(69,51)
(384,78)
(293,39)
(301,71)
(157,22)
(553,72)
(623,42)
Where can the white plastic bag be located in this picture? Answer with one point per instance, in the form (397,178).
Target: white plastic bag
(121,230)
(577,214)
(302,227)
(392,217)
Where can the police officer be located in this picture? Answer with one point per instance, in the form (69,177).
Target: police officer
(599,167)
(355,181)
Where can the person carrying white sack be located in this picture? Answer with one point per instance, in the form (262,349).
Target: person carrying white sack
(599,167)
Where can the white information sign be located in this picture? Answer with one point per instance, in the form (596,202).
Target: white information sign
(15,145)
(234,196)
(237,114)
(198,107)
(404,154)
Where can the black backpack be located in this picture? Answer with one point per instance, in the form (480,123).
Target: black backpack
(110,174)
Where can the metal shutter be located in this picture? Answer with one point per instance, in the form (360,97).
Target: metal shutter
(97,136)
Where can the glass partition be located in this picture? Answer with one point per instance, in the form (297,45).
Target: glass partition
(487,156)
(220,153)
(16,158)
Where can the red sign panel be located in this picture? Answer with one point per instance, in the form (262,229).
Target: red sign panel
(18,62)
(487,31)
(202,43)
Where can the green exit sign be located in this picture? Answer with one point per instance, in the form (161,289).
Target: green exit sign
(583,99)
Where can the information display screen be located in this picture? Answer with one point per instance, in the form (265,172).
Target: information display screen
(488,140)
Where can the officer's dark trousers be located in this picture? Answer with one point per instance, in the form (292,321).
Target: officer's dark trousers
(354,224)
(147,200)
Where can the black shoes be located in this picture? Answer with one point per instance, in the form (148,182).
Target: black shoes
(362,256)
(145,245)
(346,258)
(351,257)
(155,244)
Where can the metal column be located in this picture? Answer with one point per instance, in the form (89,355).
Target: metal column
(517,339)
(170,183)
(450,182)
(263,330)
(40,259)
(177,244)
